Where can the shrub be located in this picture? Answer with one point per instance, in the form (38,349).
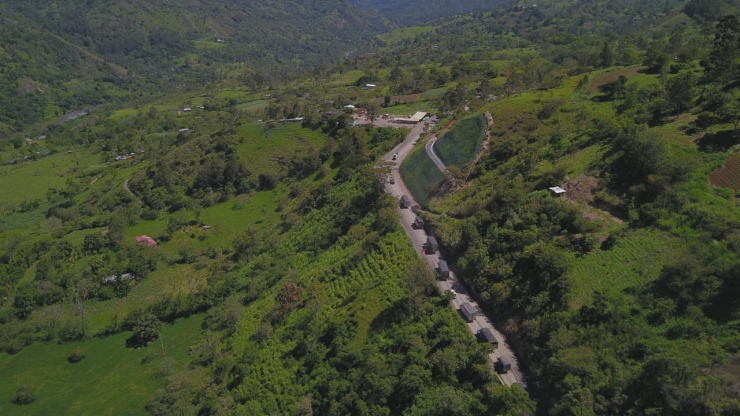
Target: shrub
(76,356)
(25,395)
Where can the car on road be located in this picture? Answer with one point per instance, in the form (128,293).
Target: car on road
(392,181)
(395,156)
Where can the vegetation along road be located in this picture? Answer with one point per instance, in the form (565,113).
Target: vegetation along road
(419,237)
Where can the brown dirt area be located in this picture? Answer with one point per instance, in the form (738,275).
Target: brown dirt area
(610,76)
(581,188)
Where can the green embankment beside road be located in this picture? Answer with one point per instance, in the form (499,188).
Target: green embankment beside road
(460,145)
(421,175)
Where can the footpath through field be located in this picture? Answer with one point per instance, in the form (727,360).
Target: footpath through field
(419,237)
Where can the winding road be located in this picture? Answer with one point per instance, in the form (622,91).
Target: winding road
(430,151)
(418,237)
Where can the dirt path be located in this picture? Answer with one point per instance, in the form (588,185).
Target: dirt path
(125,186)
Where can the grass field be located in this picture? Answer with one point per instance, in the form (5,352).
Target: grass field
(635,259)
(110,380)
(399,35)
(460,145)
(421,175)
(264,148)
(31,179)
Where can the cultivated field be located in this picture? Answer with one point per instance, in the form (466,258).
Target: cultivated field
(729,175)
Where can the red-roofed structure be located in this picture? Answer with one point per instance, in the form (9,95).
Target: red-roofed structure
(145,241)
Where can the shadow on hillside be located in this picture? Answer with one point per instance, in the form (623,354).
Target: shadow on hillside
(718,142)
(394,314)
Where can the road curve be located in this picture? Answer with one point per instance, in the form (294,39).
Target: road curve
(418,237)
(430,151)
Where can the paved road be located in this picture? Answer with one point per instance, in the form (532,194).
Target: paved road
(418,237)
(430,151)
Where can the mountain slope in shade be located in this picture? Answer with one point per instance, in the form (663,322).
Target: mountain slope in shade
(412,12)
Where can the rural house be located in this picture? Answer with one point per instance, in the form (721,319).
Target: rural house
(145,241)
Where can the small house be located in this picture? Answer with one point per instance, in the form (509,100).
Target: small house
(405,201)
(431,245)
(145,241)
(503,365)
(186,109)
(206,227)
(557,191)
(418,223)
(486,335)
(370,86)
(468,312)
(444,270)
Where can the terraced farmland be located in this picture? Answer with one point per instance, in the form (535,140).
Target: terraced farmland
(728,176)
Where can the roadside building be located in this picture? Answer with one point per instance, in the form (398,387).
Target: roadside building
(413,119)
(468,312)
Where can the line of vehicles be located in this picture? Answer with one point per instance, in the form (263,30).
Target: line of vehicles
(468,311)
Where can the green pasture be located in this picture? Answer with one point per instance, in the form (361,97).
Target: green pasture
(399,35)
(253,105)
(110,380)
(266,148)
(460,145)
(421,175)
(636,259)
(31,179)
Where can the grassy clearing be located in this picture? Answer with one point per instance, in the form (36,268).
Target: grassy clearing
(399,35)
(635,260)
(253,105)
(421,175)
(265,148)
(31,180)
(460,145)
(110,380)
(345,79)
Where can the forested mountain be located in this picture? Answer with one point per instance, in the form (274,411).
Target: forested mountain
(408,13)
(159,46)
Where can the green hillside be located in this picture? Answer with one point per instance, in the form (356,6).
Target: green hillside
(281,282)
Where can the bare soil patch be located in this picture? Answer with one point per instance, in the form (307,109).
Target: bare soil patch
(582,188)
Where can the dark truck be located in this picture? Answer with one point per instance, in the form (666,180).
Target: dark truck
(405,201)
(503,365)
(431,245)
(444,270)
(485,335)
(468,312)
(418,223)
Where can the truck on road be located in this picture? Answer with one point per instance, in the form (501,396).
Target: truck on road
(431,245)
(405,201)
